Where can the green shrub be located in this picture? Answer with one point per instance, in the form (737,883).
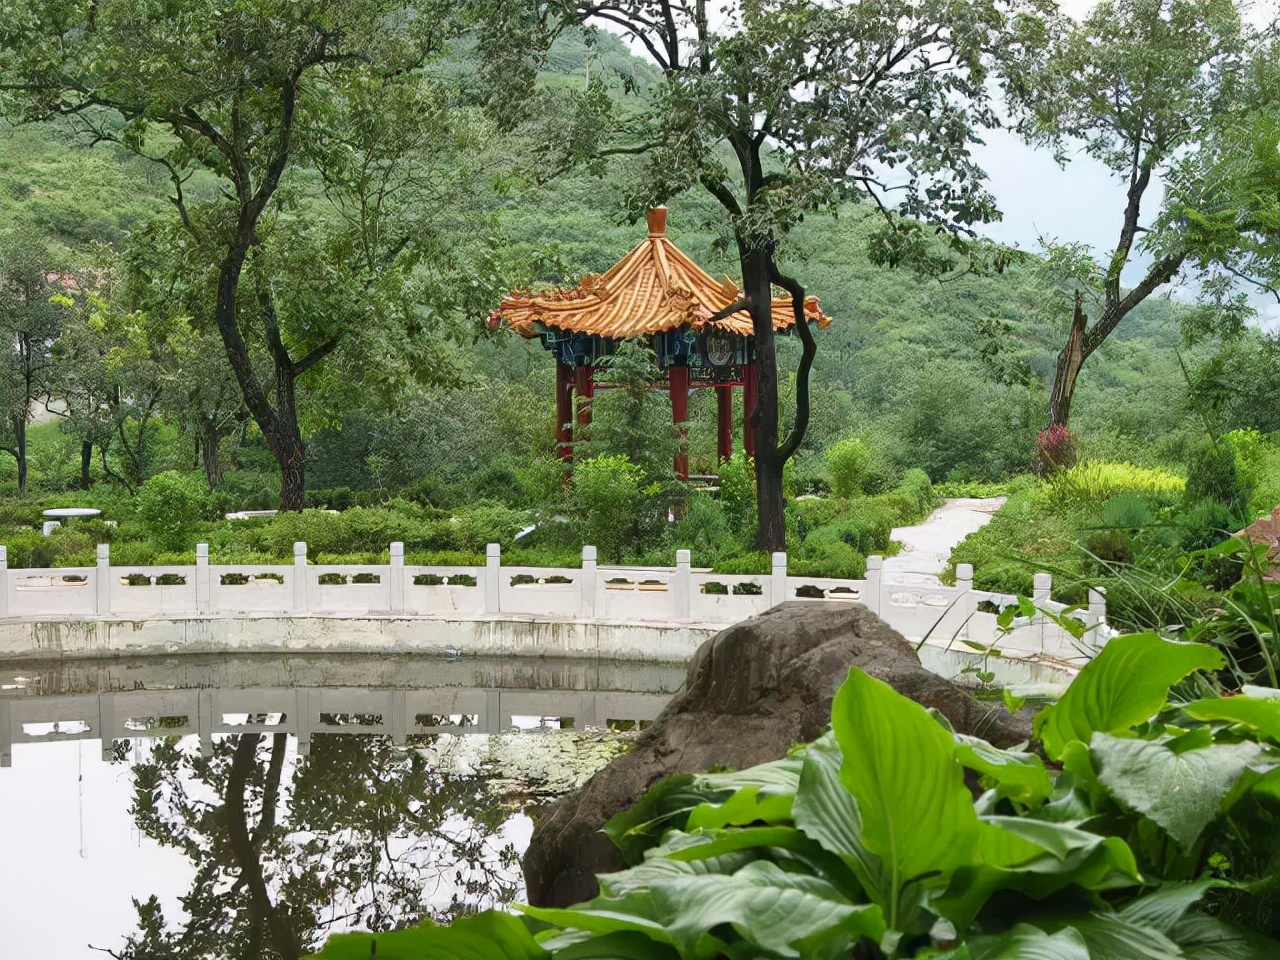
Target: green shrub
(847,462)
(1095,483)
(488,522)
(366,578)
(714,588)
(332,579)
(606,492)
(704,529)
(916,483)
(1126,511)
(747,590)
(758,562)
(1212,475)
(738,496)
(171,580)
(171,506)
(830,559)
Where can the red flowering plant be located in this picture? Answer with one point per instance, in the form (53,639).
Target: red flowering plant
(1056,445)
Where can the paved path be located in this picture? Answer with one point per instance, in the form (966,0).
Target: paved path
(928,545)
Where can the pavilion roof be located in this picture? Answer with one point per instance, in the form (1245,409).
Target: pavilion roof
(655,287)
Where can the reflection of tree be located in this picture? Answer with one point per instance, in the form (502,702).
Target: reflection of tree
(284,848)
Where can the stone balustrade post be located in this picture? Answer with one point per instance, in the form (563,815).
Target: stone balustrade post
(302,719)
(6,734)
(204,588)
(778,579)
(682,585)
(492,578)
(875,571)
(102,581)
(1041,593)
(107,723)
(4,581)
(587,583)
(396,579)
(967,603)
(300,585)
(1097,607)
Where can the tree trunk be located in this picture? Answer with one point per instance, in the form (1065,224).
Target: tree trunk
(209,442)
(264,912)
(20,450)
(771,534)
(1070,361)
(86,460)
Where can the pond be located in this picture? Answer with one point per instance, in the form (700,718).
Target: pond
(249,805)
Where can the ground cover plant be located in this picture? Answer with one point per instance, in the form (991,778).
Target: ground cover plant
(1140,828)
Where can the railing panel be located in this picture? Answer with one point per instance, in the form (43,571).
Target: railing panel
(436,591)
(264,589)
(540,591)
(351,590)
(153,591)
(60,592)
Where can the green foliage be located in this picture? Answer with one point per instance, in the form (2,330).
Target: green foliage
(606,492)
(172,505)
(1095,483)
(847,463)
(1212,475)
(738,496)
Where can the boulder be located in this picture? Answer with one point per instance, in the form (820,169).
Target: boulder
(1266,531)
(752,692)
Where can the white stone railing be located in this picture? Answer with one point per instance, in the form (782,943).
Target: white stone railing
(665,595)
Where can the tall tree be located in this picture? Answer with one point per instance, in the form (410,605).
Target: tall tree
(29,323)
(233,93)
(1142,86)
(782,107)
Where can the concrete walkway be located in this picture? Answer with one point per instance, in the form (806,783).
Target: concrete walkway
(926,546)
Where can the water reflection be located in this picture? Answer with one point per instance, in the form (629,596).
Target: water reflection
(300,810)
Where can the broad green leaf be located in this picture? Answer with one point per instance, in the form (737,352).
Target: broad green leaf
(745,806)
(1018,776)
(624,945)
(486,936)
(1124,685)
(827,813)
(637,911)
(1067,857)
(717,843)
(1182,792)
(765,906)
(660,808)
(1207,938)
(1112,937)
(656,869)
(1167,905)
(900,767)
(1254,712)
(1025,942)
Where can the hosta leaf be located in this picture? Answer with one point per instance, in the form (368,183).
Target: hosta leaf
(624,945)
(1025,942)
(1112,937)
(1254,712)
(486,936)
(1124,685)
(1018,776)
(1208,938)
(748,805)
(827,813)
(900,767)
(1182,792)
(765,906)
(1166,906)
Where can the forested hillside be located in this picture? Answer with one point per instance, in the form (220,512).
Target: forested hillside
(946,374)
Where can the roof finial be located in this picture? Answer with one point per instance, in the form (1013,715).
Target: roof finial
(657,217)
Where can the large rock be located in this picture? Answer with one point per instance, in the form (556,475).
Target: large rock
(753,690)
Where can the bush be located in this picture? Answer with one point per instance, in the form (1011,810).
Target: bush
(488,522)
(1095,483)
(831,559)
(847,463)
(758,562)
(704,529)
(916,483)
(1126,511)
(607,496)
(738,496)
(171,506)
(1212,475)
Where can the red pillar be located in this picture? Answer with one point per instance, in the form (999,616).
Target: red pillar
(749,379)
(724,422)
(585,386)
(564,411)
(678,378)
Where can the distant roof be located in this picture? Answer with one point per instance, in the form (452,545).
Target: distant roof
(653,288)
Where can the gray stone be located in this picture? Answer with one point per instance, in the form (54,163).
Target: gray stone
(753,690)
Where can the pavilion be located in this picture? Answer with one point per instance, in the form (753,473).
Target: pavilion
(656,294)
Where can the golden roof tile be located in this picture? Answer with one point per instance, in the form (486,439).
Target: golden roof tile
(655,287)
